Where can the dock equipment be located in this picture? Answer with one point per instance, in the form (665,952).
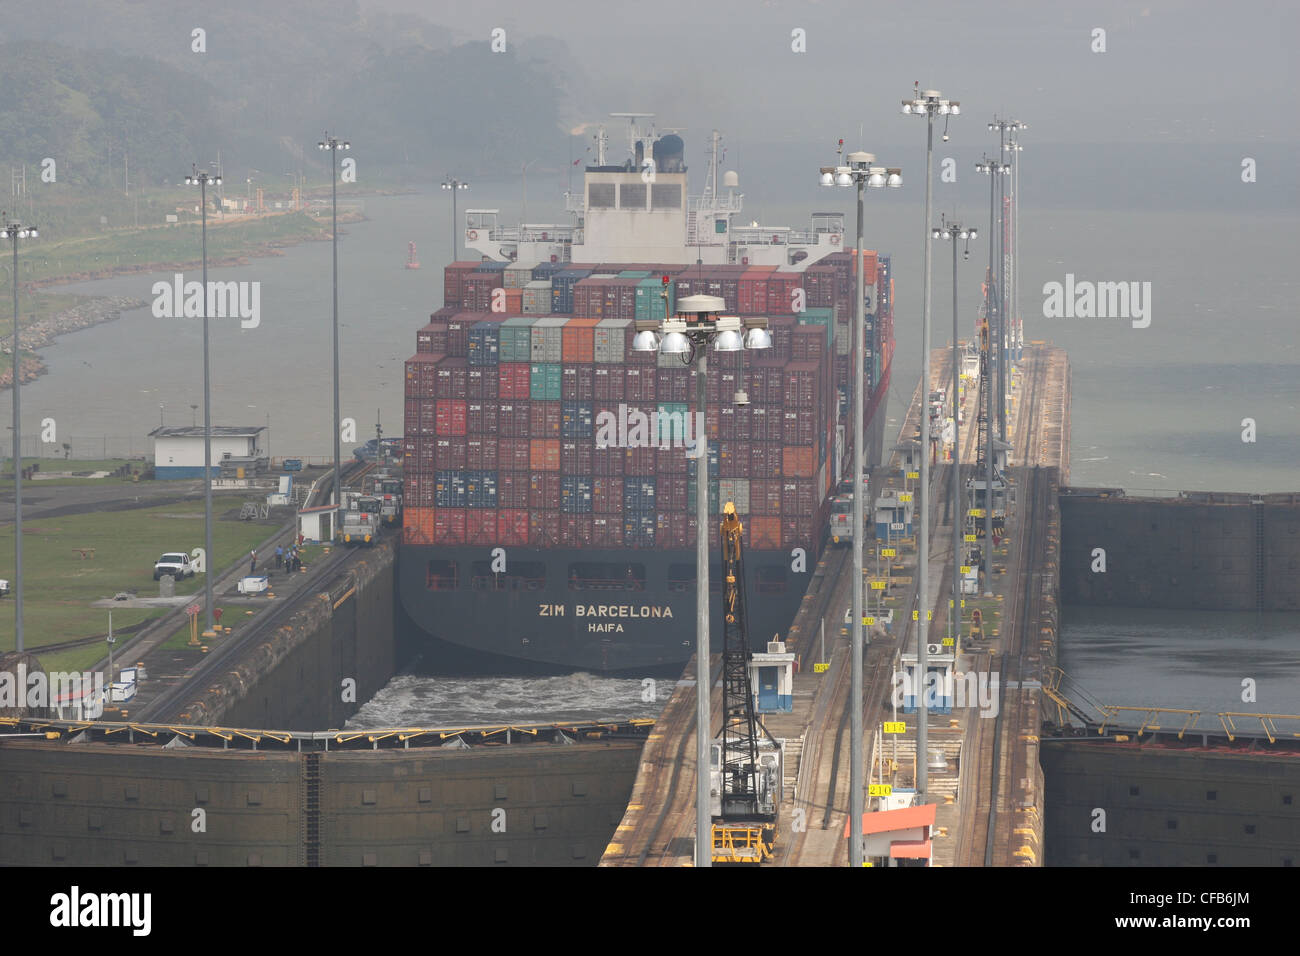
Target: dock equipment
(744,830)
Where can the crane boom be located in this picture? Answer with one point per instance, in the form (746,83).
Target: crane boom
(739,722)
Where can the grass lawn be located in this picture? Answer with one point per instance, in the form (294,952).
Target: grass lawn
(77,466)
(58,585)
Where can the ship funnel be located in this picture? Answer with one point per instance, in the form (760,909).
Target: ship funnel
(669,154)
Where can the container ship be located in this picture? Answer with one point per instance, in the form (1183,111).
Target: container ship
(549,518)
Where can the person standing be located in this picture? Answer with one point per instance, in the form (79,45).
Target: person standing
(279,556)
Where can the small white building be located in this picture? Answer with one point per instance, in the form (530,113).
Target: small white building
(317,524)
(771,675)
(178,450)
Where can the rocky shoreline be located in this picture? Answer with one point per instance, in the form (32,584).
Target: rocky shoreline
(99,309)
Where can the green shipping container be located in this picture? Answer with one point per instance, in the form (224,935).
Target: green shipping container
(649,304)
(714,497)
(822,317)
(516,340)
(633,274)
(544,383)
(671,423)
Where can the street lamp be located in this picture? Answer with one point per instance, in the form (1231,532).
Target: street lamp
(930,103)
(209,557)
(1013,147)
(1003,127)
(956,232)
(453,186)
(14,230)
(333,146)
(862,173)
(992,304)
(697,325)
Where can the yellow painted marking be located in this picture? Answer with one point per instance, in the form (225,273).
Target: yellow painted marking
(947,642)
(970,537)
(888,552)
(905,497)
(868,621)
(929,616)
(821,668)
(634,806)
(914,474)
(965,569)
(655,737)
(614,848)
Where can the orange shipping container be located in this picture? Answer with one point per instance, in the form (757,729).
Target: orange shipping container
(417,525)
(765,532)
(797,461)
(578,342)
(544,454)
(514,301)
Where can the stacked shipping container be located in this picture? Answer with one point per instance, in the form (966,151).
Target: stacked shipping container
(539,425)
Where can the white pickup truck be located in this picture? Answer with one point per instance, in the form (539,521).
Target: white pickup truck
(175,563)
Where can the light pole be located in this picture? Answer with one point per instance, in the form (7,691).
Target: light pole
(696,326)
(861,173)
(453,186)
(1003,126)
(956,231)
(209,557)
(1013,147)
(993,169)
(333,146)
(930,103)
(14,230)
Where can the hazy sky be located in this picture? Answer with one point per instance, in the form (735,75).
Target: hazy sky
(1197,71)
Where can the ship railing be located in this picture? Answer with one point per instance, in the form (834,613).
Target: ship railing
(604,584)
(497,582)
(775,236)
(729,204)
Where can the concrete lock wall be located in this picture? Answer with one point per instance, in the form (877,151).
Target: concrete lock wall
(1166,807)
(103,804)
(1178,553)
(294,679)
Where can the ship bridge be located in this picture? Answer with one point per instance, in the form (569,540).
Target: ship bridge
(640,211)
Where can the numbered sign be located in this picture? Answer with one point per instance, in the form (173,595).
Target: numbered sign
(889,552)
(868,621)
(914,474)
(965,569)
(895,727)
(970,537)
(880,789)
(877,585)
(821,668)
(976,513)
(905,496)
(947,642)
(929,616)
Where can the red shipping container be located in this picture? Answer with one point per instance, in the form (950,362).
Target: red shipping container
(543,490)
(752,292)
(426,453)
(428,424)
(671,461)
(797,496)
(452,378)
(672,492)
(451,454)
(417,525)
(544,529)
(513,489)
(453,282)
(607,383)
(481,526)
(796,532)
(483,381)
(449,526)
(578,382)
(781,287)
(673,384)
(808,343)
(482,454)
(606,532)
(606,495)
(544,454)
(765,496)
(577,457)
(733,459)
(421,376)
(578,339)
(512,527)
(544,420)
(576,531)
(639,383)
(765,532)
(797,462)
(799,428)
(801,385)
(607,461)
(513,379)
(507,419)
(765,459)
(482,417)
(411,416)
(639,461)
(513,455)
(453,417)
(410,449)
(432,338)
